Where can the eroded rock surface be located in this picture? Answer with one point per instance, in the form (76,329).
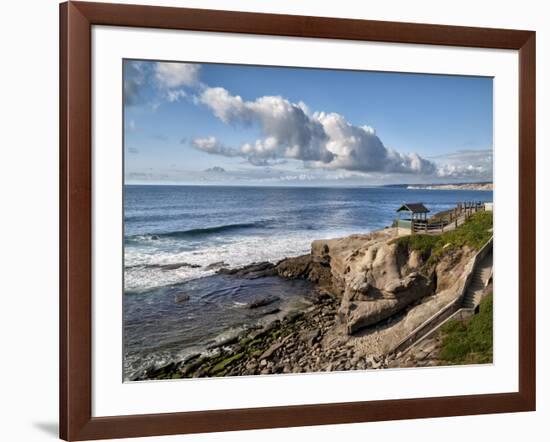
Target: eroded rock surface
(376,279)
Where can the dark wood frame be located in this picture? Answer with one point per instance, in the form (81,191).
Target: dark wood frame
(76,20)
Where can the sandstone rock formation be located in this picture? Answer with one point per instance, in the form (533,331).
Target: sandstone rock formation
(375,278)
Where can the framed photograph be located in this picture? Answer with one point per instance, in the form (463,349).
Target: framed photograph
(272,221)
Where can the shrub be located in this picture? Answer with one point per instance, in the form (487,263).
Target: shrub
(470,342)
(473,233)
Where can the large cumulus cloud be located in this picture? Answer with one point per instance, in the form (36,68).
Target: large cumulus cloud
(320,140)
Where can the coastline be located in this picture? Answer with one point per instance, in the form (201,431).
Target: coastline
(467,186)
(479,186)
(370,292)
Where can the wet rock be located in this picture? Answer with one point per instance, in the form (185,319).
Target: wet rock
(252,271)
(269,352)
(261,302)
(180,298)
(215,265)
(167,267)
(223,342)
(190,358)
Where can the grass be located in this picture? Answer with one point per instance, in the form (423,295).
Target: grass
(473,233)
(470,342)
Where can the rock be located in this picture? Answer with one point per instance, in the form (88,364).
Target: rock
(268,328)
(190,358)
(269,352)
(251,365)
(309,336)
(180,298)
(359,310)
(305,267)
(215,265)
(252,271)
(223,342)
(261,302)
(294,316)
(166,267)
(272,311)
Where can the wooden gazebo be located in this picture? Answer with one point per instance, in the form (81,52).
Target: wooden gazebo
(416,212)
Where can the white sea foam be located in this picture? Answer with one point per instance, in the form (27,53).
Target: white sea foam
(142,272)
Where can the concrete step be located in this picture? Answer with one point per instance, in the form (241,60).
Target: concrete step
(476,287)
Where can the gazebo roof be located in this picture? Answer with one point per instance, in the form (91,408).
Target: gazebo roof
(414,208)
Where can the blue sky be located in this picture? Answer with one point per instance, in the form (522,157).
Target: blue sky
(232,124)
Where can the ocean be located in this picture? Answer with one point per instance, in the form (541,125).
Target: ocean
(176,237)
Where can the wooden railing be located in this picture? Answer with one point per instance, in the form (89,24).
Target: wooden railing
(453,218)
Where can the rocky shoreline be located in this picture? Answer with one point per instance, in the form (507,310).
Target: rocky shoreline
(370,291)
(291,345)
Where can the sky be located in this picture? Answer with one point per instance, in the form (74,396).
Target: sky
(214,124)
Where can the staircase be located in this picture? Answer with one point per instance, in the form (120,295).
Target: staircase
(463,306)
(478,282)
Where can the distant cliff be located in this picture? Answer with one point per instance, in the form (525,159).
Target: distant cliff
(462,186)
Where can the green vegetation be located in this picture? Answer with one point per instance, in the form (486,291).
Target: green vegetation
(473,233)
(470,342)
(424,244)
(220,366)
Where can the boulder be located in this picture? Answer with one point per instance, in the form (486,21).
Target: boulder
(261,302)
(374,277)
(252,271)
(359,311)
(180,298)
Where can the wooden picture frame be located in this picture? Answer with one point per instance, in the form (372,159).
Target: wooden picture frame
(76,21)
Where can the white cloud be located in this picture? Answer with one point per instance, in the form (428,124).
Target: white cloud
(176,75)
(466,164)
(320,140)
(134,79)
(463,171)
(212,146)
(175,95)
(360,149)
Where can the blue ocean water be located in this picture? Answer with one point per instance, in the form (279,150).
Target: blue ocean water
(177,236)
